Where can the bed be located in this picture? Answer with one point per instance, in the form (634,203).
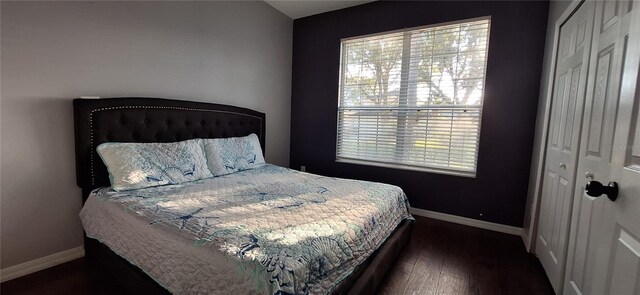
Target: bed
(268,230)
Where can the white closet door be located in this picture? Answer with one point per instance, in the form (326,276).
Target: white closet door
(604,248)
(564,135)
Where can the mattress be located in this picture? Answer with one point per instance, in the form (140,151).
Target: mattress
(269,230)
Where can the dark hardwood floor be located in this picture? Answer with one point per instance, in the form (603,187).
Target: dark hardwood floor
(441,258)
(447,258)
(68,278)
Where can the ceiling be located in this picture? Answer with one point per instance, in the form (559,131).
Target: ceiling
(301,8)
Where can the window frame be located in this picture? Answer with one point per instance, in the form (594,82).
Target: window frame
(409,167)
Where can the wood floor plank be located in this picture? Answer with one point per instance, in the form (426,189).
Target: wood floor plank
(398,277)
(432,251)
(472,261)
(68,278)
(452,285)
(485,277)
(425,276)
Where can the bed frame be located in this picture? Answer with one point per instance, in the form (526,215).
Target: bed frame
(136,119)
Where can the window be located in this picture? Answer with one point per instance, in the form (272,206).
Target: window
(413,99)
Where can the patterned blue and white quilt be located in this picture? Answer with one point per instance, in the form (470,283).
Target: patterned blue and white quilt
(269,230)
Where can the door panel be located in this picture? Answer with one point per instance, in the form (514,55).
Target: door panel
(557,116)
(580,248)
(604,248)
(609,13)
(626,264)
(564,135)
(594,132)
(568,144)
(618,262)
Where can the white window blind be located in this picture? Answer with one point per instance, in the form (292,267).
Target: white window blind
(413,99)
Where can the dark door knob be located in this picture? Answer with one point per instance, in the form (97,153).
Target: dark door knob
(596,189)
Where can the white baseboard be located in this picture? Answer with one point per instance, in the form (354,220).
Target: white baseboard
(526,241)
(507,229)
(32,266)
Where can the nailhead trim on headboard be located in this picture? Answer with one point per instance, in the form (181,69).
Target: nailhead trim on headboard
(150,107)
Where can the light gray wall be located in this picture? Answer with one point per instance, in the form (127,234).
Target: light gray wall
(235,53)
(556,8)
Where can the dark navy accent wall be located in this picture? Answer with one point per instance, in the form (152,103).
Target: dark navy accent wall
(516,46)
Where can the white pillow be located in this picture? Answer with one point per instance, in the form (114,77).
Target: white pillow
(233,154)
(140,165)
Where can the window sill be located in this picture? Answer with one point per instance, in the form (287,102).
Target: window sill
(407,167)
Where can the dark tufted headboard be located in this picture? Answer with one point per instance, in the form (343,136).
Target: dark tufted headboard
(137,119)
